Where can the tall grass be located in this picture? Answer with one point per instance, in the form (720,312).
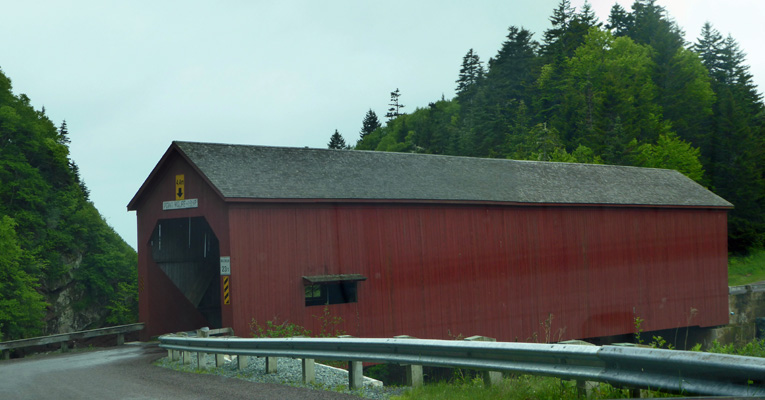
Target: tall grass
(743,270)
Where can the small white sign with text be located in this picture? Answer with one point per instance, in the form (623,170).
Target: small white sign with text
(180,204)
(225,265)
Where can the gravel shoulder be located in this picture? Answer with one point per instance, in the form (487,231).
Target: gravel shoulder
(289,373)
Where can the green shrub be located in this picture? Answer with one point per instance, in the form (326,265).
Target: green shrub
(275,329)
(755,348)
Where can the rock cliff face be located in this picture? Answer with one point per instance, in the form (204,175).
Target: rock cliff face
(65,298)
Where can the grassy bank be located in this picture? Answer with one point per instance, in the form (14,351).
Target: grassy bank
(517,388)
(743,270)
(470,386)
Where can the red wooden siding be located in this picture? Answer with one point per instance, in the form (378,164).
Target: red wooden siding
(161,305)
(500,271)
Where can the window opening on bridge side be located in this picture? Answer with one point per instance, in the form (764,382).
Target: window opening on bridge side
(323,290)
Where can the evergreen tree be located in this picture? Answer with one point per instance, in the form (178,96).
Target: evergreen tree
(471,74)
(737,75)
(560,20)
(709,48)
(620,22)
(568,29)
(369,124)
(734,156)
(63,134)
(336,141)
(686,97)
(395,106)
(507,88)
(78,179)
(515,68)
(651,27)
(587,17)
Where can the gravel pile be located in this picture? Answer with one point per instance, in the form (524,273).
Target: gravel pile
(289,372)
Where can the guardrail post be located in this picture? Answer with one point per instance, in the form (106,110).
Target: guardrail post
(176,355)
(220,360)
(202,360)
(120,339)
(414,376)
(355,370)
(490,378)
(633,392)
(582,387)
(202,357)
(6,355)
(64,347)
(271,363)
(355,375)
(241,362)
(309,370)
(309,367)
(186,357)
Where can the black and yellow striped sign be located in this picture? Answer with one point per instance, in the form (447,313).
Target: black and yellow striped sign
(226,291)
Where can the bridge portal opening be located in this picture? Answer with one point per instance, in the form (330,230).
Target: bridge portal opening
(187,251)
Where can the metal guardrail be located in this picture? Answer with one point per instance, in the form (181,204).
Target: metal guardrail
(751,288)
(63,338)
(629,367)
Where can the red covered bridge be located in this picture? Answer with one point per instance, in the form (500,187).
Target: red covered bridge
(424,245)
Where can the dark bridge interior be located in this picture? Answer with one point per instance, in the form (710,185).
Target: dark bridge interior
(186,250)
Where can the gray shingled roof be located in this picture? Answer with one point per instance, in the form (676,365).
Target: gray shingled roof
(258,172)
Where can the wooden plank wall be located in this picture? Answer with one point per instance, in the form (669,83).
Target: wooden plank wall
(513,273)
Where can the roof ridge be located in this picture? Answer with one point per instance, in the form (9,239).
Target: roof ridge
(402,154)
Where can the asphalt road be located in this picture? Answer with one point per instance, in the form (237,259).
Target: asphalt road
(126,372)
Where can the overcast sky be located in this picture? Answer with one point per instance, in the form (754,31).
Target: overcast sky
(130,77)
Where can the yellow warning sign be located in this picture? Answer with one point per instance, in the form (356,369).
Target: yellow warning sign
(180,189)
(226,291)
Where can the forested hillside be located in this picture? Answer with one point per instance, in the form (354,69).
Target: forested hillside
(62,268)
(627,91)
